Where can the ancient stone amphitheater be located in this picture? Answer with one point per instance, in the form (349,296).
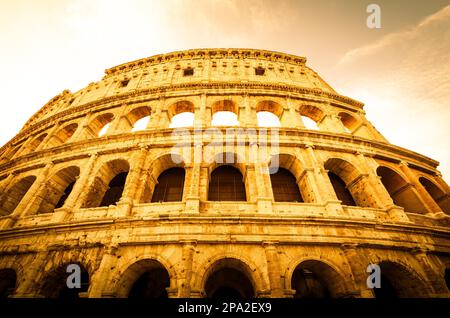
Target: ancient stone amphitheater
(171,212)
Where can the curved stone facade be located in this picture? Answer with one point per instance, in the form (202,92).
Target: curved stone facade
(56,170)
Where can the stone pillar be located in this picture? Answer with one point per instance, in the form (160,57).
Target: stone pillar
(159,118)
(115,124)
(318,177)
(250,183)
(6,184)
(358,266)
(273,269)
(124,124)
(204,182)
(33,197)
(81,188)
(50,134)
(129,195)
(259,179)
(101,279)
(191,186)
(187,258)
(28,288)
(201,118)
(291,118)
(81,129)
(334,123)
(247,113)
(436,280)
(25,148)
(426,199)
(395,212)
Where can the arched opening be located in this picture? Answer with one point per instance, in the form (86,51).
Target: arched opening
(401,192)
(284,186)
(146,278)
(349,122)
(139,118)
(398,282)
(315,279)
(309,123)
(11,199)
(268,113)
(62,136)
(36,142)
(55,284)
(349,184)
(115,189)
(224,118)
(108,185)
(311,116)
(170,186)
(100,125)
(229,278)
(185,119)
(58,188)
(341,190)
(181,114)
(437,194)
(9,154)
(8,281)
(224,113)
(226,184)
(267,119)
(141,124)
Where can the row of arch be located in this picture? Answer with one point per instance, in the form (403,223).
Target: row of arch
(181,114)
(233,278)
(165,182)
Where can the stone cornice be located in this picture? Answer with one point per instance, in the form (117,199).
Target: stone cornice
(237,53)
(288,137)
(175,220)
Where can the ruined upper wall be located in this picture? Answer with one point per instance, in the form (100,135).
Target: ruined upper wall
(208,65)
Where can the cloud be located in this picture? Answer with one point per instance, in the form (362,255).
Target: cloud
(404,80)
(393,39)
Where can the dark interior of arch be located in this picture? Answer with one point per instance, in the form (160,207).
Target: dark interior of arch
(308,284)
(400,191)
(151,284)
(398,282)
(284,186)
(115,189)
(226,184)
(447,277)
(8,281)
(65,195)
(229,283)
(387,290)
(341,190)
(55,285)
(14,195)
(170,186)
(437,194)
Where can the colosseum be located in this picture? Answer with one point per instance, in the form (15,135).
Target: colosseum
(209,198)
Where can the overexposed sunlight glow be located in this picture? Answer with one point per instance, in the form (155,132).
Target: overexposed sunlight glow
(268,119)
(185,119)
(141,124)
(309,123)
(104,130)
(224,118)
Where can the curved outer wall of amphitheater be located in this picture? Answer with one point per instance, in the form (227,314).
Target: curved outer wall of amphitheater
(106,201)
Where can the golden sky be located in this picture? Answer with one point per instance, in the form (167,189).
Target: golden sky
(401,71)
